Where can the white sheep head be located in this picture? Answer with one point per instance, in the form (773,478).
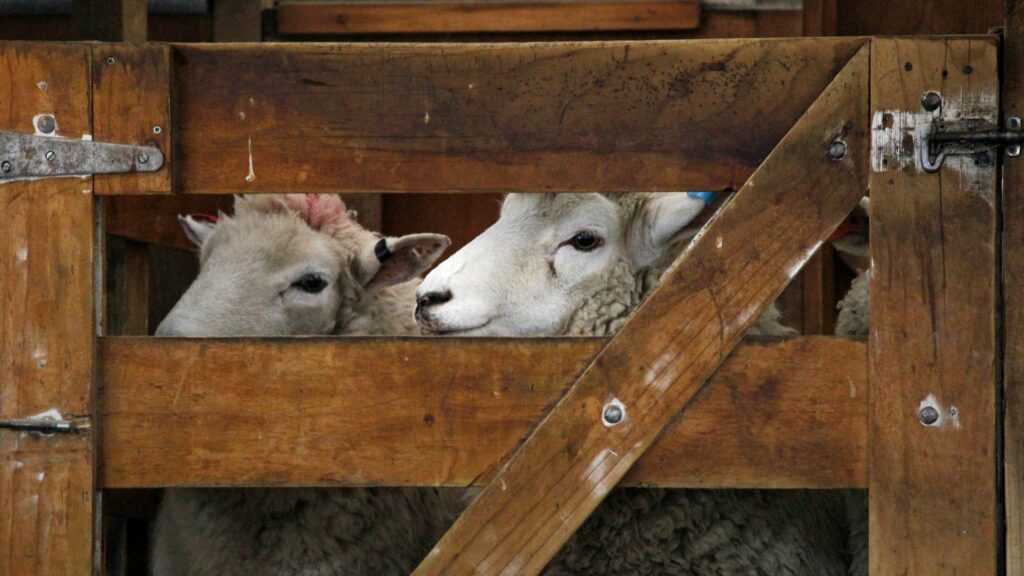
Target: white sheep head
(551,255)
(289,265)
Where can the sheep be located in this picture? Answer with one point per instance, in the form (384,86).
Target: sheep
(851,243)
(579,264)
(298,265)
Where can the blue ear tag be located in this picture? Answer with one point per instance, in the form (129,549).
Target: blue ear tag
(706,197)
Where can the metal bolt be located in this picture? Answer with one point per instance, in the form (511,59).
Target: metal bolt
(1013,122)
(931,100)
(928,415)
(50,156)
(1013,150)
(613,413)
(111,60)
(967,69)
(46,124)
(157,129)
(143,158)
(5,166)
(837,150)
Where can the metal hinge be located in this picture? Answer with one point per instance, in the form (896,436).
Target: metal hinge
(969,136)
(36,156)
(46,425)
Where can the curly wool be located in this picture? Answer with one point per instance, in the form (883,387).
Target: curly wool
(308,532)
(854,317)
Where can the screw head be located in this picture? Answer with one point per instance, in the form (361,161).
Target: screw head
(613,414)
(1013,122)
(46,124)
(143,158)
(928,415)
(157,129)
(51,156)
(110,60)
(5,166)
(1013,150)
(931,100)
(837,150)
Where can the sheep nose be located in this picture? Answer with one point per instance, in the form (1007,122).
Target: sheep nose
(433,298)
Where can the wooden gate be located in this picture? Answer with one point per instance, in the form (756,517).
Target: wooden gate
(800,129)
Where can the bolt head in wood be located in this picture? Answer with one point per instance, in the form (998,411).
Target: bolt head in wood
(613,414)
(931,101)
(110,60)
(928,415)
(5,166)
(143,158)
(50,156)
(837,150)
(46,124)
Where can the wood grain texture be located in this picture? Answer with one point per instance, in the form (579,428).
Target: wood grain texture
(343,18)
(46,325)
(1013,297)
(663,355)
(602,116)
(132,105)
(446,412)
(933,341)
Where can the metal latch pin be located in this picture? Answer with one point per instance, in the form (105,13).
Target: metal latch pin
(46,426)
(965,137)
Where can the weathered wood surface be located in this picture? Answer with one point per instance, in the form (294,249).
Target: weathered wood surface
(445,413)
(932,488)
(602,116)
(1013,297)
(344,18)
(46,325)
(131,105)
(661,358)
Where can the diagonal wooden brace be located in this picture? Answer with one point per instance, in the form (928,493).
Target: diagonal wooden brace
(661,358)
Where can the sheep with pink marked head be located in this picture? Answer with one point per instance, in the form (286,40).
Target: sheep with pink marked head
(298,265)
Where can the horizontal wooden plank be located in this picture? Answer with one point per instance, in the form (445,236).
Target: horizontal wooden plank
(422,411)
(344,18)
(566,116)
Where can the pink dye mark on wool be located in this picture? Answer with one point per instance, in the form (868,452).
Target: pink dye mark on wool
(319,211)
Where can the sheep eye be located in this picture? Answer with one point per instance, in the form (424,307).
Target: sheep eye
(310,283)
(586,241)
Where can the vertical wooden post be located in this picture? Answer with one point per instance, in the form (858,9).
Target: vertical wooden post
(933,336)
(111,20)
(1013,296)
(47,331)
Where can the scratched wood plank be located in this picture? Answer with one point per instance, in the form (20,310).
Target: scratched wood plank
(663,355)
(1013,297)
(932,487)
(46,324)
(597,116)
(444,412)
(345,18)
(132,105)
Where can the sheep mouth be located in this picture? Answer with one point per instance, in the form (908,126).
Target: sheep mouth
(437,330)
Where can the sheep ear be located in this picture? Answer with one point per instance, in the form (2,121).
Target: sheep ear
(196,230)
(660,221)
(394,260)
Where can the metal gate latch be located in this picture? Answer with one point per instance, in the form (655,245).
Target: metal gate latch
(968,136)
(35,156)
